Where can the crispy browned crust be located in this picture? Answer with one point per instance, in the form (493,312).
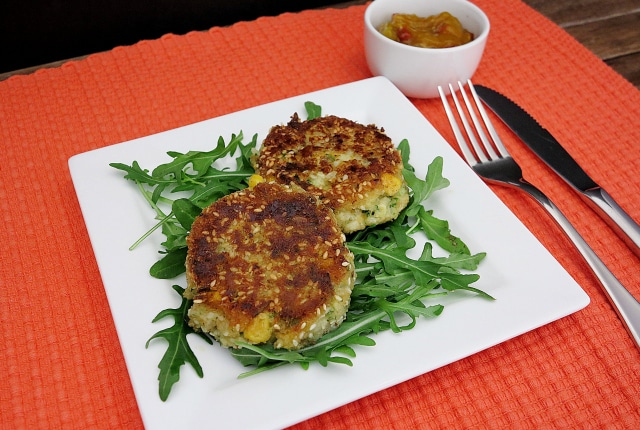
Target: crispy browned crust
(272,250)
(294,152)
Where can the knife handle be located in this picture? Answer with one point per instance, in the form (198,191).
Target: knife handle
(615,217)
(624,303)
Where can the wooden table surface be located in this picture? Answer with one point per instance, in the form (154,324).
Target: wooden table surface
(609,28)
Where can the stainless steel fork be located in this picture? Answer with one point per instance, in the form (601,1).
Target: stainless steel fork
(494,163)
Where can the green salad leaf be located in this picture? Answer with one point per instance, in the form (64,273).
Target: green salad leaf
(184,186)
(313,110)
(396,284)
(178,352)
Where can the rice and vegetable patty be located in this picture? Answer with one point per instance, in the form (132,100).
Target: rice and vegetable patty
(268,264)
(354,169)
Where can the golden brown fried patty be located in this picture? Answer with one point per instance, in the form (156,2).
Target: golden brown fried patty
(268,264)
(352,168)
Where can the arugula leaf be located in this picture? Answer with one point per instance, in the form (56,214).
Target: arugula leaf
(460,261)
(405,152)
(192,174)
(178,352)
(438,231)
(313,110)
(197,160)
(185,212)
(171,265)
(422,190)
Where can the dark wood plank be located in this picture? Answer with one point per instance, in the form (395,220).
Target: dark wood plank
(628,66)
(348,3)
(610,38)
(609,28)
(574,12)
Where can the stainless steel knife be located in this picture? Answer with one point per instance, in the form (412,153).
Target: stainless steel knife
(555,156)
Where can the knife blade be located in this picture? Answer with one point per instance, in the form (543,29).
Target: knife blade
(549,150)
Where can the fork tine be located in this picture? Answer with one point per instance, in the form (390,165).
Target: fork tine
(462,142)
(487,122)
(486,143)
(480,154)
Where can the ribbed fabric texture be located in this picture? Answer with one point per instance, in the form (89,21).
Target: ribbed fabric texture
(61,360)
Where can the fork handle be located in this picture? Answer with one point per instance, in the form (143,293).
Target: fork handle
(625,305)
(615,217)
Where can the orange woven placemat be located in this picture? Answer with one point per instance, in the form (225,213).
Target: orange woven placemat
(62,362)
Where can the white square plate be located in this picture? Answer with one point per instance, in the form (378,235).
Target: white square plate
(530,287)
